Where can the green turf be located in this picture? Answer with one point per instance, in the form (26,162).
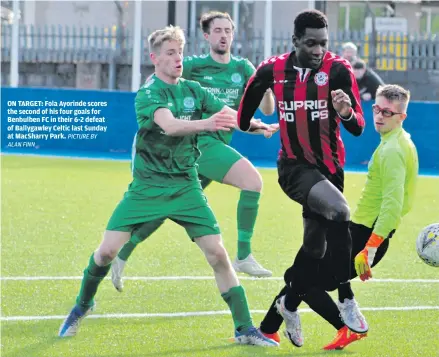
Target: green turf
(55,210)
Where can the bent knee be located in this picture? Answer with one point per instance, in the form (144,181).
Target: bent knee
(217,256)
(106,255)
(340,212)
(252,180)
(316,252)
(244,176)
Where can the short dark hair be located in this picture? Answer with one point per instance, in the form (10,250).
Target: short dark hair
(208,17)
(309,19)
(359,64)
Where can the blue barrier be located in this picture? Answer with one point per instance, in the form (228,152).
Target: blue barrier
(102,123)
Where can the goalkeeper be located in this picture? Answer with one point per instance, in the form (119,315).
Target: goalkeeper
(387,196)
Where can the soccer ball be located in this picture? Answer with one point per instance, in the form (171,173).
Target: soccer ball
(427,245)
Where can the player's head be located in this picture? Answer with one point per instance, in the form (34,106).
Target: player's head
(390,108)
(349,51)
(359,67)
(218,30)
(310,38)
(166,51)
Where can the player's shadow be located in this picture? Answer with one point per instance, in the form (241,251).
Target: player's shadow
(35,349)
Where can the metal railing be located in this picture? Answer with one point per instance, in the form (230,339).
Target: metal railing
(69,44)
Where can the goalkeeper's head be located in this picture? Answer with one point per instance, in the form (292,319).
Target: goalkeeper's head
(390,108)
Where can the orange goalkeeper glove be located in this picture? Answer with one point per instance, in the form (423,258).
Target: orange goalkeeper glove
(364,259)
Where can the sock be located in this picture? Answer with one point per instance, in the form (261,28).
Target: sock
(138,236)
(321,302)
(272,320)
(247,212)
(93,275)
(126,250)
(340,239)
(345,291)
(237,301)
(304,272)
(292,300)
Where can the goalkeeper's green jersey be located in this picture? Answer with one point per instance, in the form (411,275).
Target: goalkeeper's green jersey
(390,186)
(156,152)
(226,81)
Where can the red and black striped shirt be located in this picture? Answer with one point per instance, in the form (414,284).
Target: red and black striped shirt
(309,124)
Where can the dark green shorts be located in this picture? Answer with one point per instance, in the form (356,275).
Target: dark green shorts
(146,203)
(216,159)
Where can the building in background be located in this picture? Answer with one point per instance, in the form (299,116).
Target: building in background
(89,44)
(421,16)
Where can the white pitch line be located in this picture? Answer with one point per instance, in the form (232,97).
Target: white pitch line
(196,313)
(159,278)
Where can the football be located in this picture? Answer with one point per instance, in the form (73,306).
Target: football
(427,245)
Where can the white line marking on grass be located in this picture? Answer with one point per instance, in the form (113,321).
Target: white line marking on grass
(196,313)
(160,278)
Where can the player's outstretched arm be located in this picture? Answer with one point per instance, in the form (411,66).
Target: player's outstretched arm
(174,127)
(257,127)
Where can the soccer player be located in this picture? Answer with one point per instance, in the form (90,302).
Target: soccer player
(165,182)
(315,91)
(387,197)
(225,76)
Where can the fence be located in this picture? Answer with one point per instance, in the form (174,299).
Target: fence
(101,123)
(70,44)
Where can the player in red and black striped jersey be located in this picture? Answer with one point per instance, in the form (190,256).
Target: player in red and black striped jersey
(315,91)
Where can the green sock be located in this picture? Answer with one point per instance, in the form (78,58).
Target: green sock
(127,249)
(138,236)
(238,305)
(93,275)
(247,212)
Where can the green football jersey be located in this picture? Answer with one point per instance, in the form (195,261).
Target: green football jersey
(157,152)
(225,81)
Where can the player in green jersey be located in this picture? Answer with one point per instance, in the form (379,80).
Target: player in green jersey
(387,197)
(165,182)
(225,76)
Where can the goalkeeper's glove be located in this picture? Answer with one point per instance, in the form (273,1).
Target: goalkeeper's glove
(364,259)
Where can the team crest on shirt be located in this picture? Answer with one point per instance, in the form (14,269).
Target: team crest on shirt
(188,103)
(321,78)
(236,78)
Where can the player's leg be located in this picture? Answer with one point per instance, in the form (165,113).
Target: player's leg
(98,267)
(222,163)
(319,300)
(138,236)
(327,200)
(132,210)
(192,212)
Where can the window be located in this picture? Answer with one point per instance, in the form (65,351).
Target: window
(351,16)
(429,20)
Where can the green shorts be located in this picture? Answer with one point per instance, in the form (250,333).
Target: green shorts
(216,159)
(145,203)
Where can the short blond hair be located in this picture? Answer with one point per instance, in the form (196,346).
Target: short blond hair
(169,33)
(394,93)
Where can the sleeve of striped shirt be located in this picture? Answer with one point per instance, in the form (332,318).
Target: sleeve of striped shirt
(257,85)
(346,81)
(393,173)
